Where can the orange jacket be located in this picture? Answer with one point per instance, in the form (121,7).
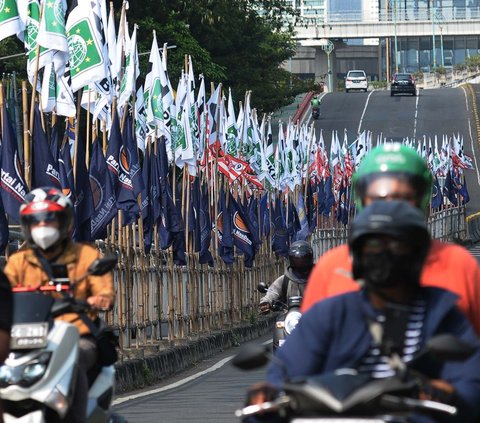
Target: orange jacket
(24,269)
(448,266)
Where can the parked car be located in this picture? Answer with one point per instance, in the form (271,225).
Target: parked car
(356,80)
(403,83)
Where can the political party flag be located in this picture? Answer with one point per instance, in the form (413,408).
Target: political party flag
(10,23)
(242,232)
(437,196)
(280,240)
(224,230)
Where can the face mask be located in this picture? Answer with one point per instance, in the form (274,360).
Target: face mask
(45,236)
(381,270)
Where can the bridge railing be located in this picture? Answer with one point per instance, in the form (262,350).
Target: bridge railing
(439,15)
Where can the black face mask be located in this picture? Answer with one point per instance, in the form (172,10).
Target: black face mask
(385,269)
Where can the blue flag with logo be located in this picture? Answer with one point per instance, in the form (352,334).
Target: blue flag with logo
(242,232)
(118,162)
(13,184)
(45,169)
(145,203)
(135,170)
(449,190)
(104,199)
(461,189)
(328,196)
(224,230)
(66,173)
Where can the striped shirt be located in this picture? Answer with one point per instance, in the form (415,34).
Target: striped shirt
(376,364)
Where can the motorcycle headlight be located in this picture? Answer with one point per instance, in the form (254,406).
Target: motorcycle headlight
(291,321)
(26,374)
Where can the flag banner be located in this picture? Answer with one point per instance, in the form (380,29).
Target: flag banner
(4,231)
(224,230)
(13,185)
(242,232)
(66,173)
(45,169)
(304,232)
(146,202)
(130,144)
(103,193)
(84,208)
(449,190)
(280,240)
(87,63)
(252,209)
(437,196)
(10,23)
(205,257)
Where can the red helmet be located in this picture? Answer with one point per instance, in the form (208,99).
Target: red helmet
(46,204)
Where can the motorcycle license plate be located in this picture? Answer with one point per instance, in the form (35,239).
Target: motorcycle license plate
(29,336)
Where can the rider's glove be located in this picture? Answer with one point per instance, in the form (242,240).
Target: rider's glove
(438,390)
(261,392)
(264,308)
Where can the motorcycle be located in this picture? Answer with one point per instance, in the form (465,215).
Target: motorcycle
(315,112)
(287,320)
(346,396)
(37,379)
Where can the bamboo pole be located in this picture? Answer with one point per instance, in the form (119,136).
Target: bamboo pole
(26,137)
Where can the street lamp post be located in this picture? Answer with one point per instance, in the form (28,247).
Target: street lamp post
(395,29)
(327,47)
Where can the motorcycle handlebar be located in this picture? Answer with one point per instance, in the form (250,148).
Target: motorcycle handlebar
(418,404)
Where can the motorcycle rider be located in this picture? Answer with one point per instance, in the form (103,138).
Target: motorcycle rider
(389,241)
(395,171)
(292,283)
(47,221)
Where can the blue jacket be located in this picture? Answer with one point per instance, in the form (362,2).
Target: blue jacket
(334,334)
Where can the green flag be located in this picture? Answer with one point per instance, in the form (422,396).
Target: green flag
(10,23)
(85,47)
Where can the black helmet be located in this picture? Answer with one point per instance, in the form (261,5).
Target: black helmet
(300,258)
(394,219)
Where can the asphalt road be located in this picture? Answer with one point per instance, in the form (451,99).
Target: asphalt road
(212,397)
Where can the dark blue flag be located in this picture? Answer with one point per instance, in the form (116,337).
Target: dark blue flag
(461,189)
(343,203)
(321,200)
(205,224)
(84,208)
(66,173)
(146,204)
(194,214)
(311,212)
(224,230)
(264,216)
(280,239)
(130,143)
(55,142)
(13,185)
(242,232)
(329,197)
(155,188)
(304,231)
(45,168)
(437,197)
(117,158)
(104,199)
(449,190)
(253,216)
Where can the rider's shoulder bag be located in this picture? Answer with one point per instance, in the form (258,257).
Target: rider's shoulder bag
(104,335)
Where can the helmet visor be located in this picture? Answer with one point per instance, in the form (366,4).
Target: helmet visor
(36,218)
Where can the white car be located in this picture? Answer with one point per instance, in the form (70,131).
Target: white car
(356,80)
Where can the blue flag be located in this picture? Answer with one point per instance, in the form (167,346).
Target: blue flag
(130,143)
(203,225)
(4,232)
(264,216)
(280,240)
(321,200)
(224,230)
(155,188)
(45,169)
(104,199)
(253,216)
(311,211)
(13,185)
(437,197)
(449,190)
(146,204)
(304,232)
(55,142)
(66,173)
(329,197)
(84,207)
(461,189)
(242,232)
(117,158)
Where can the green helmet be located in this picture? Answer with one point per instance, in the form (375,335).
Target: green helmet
(397,160)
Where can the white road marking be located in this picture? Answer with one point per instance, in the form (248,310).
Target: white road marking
(415,120)
(471,136)
(364,110)
(181,382)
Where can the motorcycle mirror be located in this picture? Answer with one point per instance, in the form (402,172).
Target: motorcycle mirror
(262,287)
(447,347)
(103,265)
(251,357)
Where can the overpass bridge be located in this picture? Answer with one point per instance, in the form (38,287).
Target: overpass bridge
(421,22)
